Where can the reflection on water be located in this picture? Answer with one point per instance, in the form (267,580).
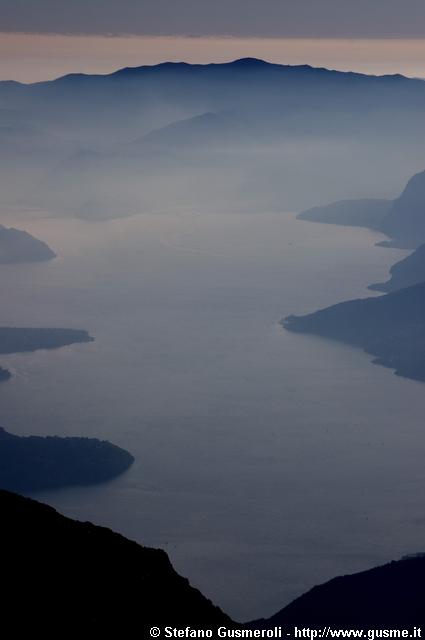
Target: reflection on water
(266,461)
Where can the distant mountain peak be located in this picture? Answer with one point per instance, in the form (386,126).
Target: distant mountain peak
(250,62)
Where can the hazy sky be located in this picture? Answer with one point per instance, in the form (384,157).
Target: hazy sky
(280,18)
(43,39)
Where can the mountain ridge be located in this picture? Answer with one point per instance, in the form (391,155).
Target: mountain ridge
(238,63)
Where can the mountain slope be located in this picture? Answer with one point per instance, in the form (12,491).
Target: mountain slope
(67,577)
(388,596)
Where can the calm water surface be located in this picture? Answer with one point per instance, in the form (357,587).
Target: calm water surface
(265,461)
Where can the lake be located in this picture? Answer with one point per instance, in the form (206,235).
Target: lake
(266,461)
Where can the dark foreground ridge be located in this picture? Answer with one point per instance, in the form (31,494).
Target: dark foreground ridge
(74,576)
(35,463)
(390,327)
(20,340)
(71,577)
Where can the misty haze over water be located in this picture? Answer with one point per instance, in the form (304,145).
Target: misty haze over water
(266,461)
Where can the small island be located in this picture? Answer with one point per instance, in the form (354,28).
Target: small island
(19,246)
(34,463)
(4,375)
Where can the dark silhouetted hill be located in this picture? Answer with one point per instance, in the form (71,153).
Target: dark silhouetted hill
(20,246)
(389,596)
(34,463)
(74,579)
(389,327)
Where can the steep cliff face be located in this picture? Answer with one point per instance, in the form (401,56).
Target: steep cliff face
(402,219)
(406,219)
(67,577)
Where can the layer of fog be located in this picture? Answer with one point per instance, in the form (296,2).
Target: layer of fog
(242,136)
